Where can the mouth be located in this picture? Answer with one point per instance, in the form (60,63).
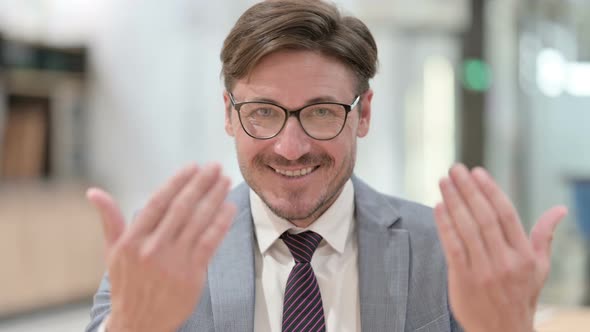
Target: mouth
(295,173)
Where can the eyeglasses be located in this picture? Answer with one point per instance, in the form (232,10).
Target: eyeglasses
(265,120)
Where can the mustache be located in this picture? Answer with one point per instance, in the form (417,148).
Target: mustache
(304,161)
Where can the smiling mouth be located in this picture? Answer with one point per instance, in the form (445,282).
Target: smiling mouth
(295,173)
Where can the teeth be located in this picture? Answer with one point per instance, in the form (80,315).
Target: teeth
(299,172)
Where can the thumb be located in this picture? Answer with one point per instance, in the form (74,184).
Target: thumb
(113,223)
(542,232)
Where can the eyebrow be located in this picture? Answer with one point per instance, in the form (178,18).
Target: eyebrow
(321,99)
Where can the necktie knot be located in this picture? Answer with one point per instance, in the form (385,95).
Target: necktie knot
(302,245)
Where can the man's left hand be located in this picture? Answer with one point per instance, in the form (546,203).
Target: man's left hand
(495,272)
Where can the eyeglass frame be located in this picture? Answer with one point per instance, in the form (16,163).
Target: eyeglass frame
(288,113)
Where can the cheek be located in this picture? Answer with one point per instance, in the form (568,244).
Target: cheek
(247,146)
(347,137)
(340,148)
(352,124)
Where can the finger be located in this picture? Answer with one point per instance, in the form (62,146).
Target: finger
(484,214)
(157,206)
(210,239)
(184,204)
(112,221)
(508,217)
(542,232)
(205,211)
(453,247)
(465,225)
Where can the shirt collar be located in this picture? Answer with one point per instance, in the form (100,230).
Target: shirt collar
(334,225)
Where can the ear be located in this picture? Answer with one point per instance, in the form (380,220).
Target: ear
(229,129)
(365,114)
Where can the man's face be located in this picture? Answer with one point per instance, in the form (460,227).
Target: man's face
(294,79)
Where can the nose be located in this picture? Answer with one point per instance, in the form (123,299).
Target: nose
(292,142)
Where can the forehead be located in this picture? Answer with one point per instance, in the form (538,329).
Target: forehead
(295,76)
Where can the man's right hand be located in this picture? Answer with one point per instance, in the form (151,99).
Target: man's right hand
(157,265)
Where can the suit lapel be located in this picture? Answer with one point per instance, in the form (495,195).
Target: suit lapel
(231,272)
(383,261)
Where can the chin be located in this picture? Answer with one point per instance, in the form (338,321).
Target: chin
(287,209)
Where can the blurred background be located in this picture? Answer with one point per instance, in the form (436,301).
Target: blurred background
(120,94)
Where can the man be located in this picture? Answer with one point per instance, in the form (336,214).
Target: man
(304,245)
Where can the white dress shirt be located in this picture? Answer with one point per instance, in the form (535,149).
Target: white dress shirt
(335,264)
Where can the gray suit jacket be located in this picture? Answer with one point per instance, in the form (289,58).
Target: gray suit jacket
(402,273)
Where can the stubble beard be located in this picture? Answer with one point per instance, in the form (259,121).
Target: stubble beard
(295,212)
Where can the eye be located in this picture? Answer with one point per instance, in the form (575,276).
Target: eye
(264,112)
(321,112)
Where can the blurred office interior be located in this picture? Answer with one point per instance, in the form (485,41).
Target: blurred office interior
(120,94)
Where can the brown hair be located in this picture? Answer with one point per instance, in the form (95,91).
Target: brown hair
(316,25)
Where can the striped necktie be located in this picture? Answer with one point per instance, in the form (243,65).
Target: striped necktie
(302,307)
